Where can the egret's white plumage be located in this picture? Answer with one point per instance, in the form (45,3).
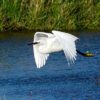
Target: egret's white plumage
(48,43)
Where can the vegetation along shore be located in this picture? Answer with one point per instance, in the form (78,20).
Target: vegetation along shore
(71,15)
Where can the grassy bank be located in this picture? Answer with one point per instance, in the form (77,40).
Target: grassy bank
(50,14)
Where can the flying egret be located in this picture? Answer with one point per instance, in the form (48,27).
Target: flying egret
(46,43)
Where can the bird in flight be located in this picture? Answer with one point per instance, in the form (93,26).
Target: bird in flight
(46,43)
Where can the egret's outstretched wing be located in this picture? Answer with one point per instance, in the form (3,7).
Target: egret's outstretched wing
(41,35)
(67,41)
(40,58)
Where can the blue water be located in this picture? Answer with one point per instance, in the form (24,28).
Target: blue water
(21,80)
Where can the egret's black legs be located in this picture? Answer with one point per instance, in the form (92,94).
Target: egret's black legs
(87,54)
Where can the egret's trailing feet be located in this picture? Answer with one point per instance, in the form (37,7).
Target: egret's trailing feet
(86,54)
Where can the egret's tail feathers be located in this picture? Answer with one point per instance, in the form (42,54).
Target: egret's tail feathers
(86,54)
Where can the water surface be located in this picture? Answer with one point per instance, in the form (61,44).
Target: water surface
(21,80)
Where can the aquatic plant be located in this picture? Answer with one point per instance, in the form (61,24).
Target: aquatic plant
(50,14)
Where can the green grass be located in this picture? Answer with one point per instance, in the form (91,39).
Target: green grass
(71,15)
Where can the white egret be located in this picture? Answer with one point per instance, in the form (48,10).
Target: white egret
(46,43)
